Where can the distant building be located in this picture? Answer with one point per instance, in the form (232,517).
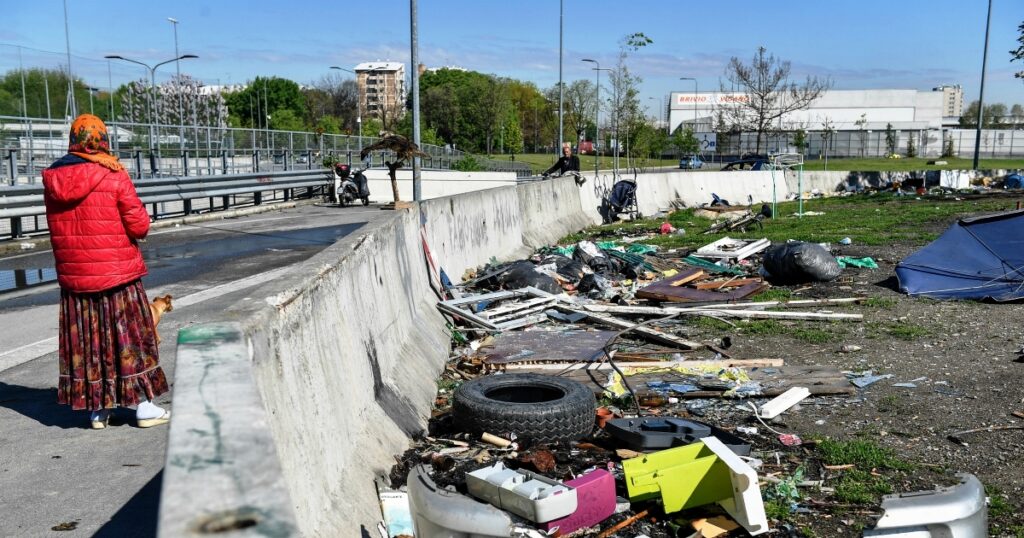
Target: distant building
(952,99)
(381,88)
(845,110)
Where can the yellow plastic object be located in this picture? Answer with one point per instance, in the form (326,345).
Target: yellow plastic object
(683,477)
(702,473)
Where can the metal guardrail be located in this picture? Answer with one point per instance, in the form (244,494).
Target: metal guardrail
(22,201)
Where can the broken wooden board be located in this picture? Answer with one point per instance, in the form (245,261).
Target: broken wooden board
(605,367)
(725,313)
(669,291)
(819,380)
(723,284)
(646,333)
(542,346)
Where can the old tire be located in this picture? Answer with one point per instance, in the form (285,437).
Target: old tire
(536,408)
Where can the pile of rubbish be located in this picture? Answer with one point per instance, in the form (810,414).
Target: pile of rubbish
(577,403)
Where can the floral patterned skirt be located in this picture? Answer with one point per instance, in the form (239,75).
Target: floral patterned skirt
(108,352)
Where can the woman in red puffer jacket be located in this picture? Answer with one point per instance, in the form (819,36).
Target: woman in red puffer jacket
(108,352)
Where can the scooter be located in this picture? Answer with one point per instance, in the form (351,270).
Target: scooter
(349,187)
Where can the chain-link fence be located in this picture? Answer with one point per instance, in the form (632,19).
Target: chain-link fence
(37,101)
(29,145)
(995,143)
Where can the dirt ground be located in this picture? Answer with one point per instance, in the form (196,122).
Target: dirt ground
(959,355)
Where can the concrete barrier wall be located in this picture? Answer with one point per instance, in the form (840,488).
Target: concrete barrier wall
(345,349)
(436,183)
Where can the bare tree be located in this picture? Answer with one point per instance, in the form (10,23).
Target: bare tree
(770,94)
(580,100)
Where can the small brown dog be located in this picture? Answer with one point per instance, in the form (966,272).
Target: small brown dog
(157,309)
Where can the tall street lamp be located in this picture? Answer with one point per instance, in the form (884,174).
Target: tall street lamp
(561,85)
(177,68)
(597,117)
(152,90)
(694,101)
(981,94)
(615,118)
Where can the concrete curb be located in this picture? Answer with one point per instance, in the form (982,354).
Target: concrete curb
(219,438)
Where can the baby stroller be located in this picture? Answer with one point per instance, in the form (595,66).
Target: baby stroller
(620,199)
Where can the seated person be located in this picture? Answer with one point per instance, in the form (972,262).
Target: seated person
(566,163)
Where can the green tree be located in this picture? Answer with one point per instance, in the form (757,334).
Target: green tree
(39,82)
(890,140)
(329,125)
(800,140)
(993,117)
(911,147)
(250,105)
(685,141)
(286,120)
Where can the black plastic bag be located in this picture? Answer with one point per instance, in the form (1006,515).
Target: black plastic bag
(591,255)
(522,274)
(796,262)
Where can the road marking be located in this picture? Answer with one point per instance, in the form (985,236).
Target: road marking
(28,352)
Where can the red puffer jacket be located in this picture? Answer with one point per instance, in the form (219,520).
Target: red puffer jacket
(95,218)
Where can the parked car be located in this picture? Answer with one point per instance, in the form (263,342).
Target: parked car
(692,162)
(754,163)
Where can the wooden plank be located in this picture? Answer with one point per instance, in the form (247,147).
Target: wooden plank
(664,290)
(721,284)
(605,367)
(647,333)
(723,312)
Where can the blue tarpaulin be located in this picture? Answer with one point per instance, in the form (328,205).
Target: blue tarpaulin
(977,258)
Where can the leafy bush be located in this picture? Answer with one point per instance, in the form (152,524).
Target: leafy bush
(468,163)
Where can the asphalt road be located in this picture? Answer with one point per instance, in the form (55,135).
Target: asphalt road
(53,470)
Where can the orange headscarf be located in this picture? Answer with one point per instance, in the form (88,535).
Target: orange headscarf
(89,141)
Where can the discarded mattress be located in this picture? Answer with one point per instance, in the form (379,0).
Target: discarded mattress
(976,258)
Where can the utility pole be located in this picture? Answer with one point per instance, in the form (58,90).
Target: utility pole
(597,118)
(561,85)
(71,79)
(177,68)
(981,95)
(414,44)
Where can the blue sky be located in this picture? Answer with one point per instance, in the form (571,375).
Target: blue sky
(858,43)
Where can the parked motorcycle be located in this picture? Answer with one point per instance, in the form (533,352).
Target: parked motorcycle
(349,186)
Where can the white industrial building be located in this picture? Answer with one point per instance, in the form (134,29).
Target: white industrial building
(844,110)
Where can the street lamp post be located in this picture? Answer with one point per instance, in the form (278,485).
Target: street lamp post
(981,94)
(415,60)
(149,102)
(597,117)
(561,85)
(615,117)
(177,68)
(695,91)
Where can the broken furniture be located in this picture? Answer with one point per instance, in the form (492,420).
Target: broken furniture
(441,512)
(501,310)
(728,248)
(695,475)
(954,512)
(526,494)
(595,497)
(674,289)
(658,433)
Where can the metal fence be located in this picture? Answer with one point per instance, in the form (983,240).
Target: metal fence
(29,145)
(995,143)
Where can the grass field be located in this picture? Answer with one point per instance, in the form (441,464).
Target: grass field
(878,219)
(880,164)
(542,161)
